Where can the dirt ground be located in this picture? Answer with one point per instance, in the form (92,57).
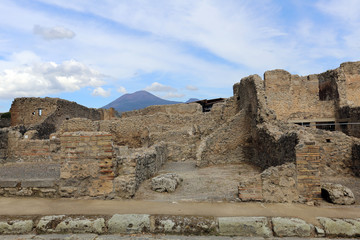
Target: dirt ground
(219,183)
(214,183)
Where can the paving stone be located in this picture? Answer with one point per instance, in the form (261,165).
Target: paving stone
(129,223)
(16,226)
(244,226)
(340,227)
(291,227)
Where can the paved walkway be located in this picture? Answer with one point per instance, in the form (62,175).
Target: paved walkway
(40,206)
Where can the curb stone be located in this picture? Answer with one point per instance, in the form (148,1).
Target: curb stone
(244,226)
(340,227)
(129,223)
(108,227)
(183,224)
(291,227)
(62,224)
(16,227)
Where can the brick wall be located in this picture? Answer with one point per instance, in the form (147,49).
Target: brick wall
(87,164)
(308,162)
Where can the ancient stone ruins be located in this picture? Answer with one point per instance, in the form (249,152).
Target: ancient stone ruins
(297,131)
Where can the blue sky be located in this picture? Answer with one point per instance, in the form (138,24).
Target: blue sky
(92,52)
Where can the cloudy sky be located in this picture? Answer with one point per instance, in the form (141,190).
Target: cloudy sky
(92,52)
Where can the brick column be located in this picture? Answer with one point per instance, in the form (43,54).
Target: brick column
(308,170)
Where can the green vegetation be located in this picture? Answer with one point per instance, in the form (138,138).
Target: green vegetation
(6,115)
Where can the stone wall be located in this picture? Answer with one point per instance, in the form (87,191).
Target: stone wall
(23,148)
(47,114)
(3,144)
(229,143)
(87,164)
(5,122)
(349,84)
(296,98)
(275,184)
(133,166)
(190,108)
(356,159)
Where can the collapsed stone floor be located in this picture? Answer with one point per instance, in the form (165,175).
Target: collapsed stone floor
(214,183)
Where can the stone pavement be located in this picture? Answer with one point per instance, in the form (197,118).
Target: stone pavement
(100,219)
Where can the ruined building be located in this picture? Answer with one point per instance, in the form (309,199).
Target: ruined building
(296,130)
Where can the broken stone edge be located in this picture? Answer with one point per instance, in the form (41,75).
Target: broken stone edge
(265,227)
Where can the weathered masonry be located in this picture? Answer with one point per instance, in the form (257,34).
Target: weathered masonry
(57,148)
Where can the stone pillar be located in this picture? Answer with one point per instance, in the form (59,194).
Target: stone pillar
(308,170)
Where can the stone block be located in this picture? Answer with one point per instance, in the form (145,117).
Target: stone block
(340,227)
(165,182)
(244,226)
(129,223)
(61,224)
(291,227)
(183,224)
(337,194)
(8,183)
(99,187)
(38,183)
(16,226)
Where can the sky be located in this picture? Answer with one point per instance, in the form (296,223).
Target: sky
(92,52)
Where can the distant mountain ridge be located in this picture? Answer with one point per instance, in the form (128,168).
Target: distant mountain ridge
(137,100)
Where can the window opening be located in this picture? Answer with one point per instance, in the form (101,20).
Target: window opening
(329,126)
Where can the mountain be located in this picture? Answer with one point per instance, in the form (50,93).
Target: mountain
(192,100)
(136,100)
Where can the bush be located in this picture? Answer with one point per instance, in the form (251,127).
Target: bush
(6,115)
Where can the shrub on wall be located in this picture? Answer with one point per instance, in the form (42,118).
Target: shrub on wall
(6,115)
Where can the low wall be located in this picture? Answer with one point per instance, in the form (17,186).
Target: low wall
(133,166)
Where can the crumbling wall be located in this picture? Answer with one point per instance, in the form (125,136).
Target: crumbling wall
(349,84)
(133,166)
(3,144)
(87,164)
(275,184)
(23,148)
(190,108)
(47,114)
(355,155)
(293,97)
(229,143)
(273,146)
(349,120)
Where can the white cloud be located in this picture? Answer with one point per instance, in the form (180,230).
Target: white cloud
(158,87)
(42,78)
(57,32)
(122,90)
(347,10)
(99,91)
(191,88)
(173,95)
